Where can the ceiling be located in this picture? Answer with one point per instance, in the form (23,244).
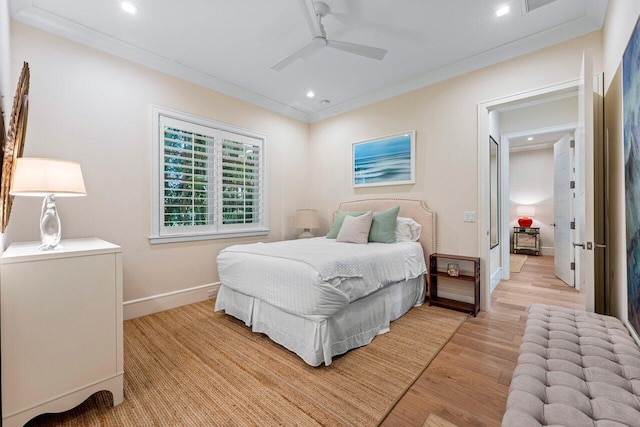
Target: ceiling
(536,141)
(230,46)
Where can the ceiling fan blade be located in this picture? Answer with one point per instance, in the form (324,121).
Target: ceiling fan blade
(309,13)
(358,49)
(307,50)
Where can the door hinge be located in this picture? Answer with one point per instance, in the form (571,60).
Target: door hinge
(572,184)
(573,266)
(572,225)
(572,143)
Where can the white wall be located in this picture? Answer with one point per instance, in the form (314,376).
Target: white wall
(531,183)
(540,116)
(621,18)
(94,108)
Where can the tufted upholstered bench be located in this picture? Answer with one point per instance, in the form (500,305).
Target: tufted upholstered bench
(575,369)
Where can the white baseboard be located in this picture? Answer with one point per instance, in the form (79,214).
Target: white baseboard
(546,250)
(156,303)
(495,279)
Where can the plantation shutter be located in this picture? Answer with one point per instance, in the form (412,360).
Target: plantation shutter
(188,177)
(210,179)
(240,181)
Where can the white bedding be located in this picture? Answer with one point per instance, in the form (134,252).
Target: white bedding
(317,342)
(297,277)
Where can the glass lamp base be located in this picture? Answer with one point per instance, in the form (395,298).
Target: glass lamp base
(50,227)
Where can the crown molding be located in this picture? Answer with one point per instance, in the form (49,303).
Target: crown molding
(520,47)
(24,11)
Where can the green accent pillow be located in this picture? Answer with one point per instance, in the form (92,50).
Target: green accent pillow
(383,227)
(339,219)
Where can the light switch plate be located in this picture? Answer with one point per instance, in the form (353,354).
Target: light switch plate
(469,216)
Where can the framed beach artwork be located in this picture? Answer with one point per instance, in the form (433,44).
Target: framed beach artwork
(631,117)
(389,160)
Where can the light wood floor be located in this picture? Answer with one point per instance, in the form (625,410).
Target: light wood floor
(467,383)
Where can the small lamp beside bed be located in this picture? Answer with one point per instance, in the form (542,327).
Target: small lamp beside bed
(306,219)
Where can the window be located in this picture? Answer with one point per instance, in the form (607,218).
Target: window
(208,178)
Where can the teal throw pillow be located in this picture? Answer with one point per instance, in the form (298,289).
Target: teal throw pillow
(383,227)
(339,219)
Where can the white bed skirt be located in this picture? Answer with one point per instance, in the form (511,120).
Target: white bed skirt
(318,341)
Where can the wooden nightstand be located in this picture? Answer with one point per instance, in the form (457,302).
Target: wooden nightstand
(471,275)
(61,323)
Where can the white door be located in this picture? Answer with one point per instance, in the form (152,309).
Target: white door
(563,210)
(584,236)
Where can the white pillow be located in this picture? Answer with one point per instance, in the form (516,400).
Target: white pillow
(355,229)
(407,230)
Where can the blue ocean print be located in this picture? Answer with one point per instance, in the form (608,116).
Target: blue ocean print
(382,161)
(631,114)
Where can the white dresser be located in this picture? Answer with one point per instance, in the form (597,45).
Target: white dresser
(61,326)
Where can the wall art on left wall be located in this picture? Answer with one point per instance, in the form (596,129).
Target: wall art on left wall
(13,145)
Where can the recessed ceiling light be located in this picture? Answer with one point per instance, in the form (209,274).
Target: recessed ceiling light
(310,94)
(128,7)
(503,11)
(530,138)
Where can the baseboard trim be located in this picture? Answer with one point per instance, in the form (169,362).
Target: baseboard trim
(547,251)
(495,279)
(161,302)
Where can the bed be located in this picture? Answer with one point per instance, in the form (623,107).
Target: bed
(320,309)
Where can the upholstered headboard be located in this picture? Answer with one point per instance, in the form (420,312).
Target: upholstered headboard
(415,209)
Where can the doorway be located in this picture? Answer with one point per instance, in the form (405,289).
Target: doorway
(501,253)
(487,121)
(537,185)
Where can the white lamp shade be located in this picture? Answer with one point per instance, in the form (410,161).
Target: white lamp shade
(40,177)
(307,218)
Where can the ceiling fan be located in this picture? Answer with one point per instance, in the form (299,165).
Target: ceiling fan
(314,12)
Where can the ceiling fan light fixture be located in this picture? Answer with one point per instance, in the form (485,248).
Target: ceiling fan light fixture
(129,7)
(504,10)
(314,12)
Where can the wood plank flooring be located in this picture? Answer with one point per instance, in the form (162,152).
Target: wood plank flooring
(468,382)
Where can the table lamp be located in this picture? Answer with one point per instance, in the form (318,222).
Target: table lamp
(307,219)
(524,213)
(48,178)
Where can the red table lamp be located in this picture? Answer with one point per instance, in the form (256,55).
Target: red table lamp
(524,214)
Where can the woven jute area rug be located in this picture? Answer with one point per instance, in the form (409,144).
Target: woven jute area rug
(192,367)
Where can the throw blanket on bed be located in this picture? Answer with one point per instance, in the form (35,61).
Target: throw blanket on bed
(330,260)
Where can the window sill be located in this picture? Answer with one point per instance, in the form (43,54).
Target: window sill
(156,240)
